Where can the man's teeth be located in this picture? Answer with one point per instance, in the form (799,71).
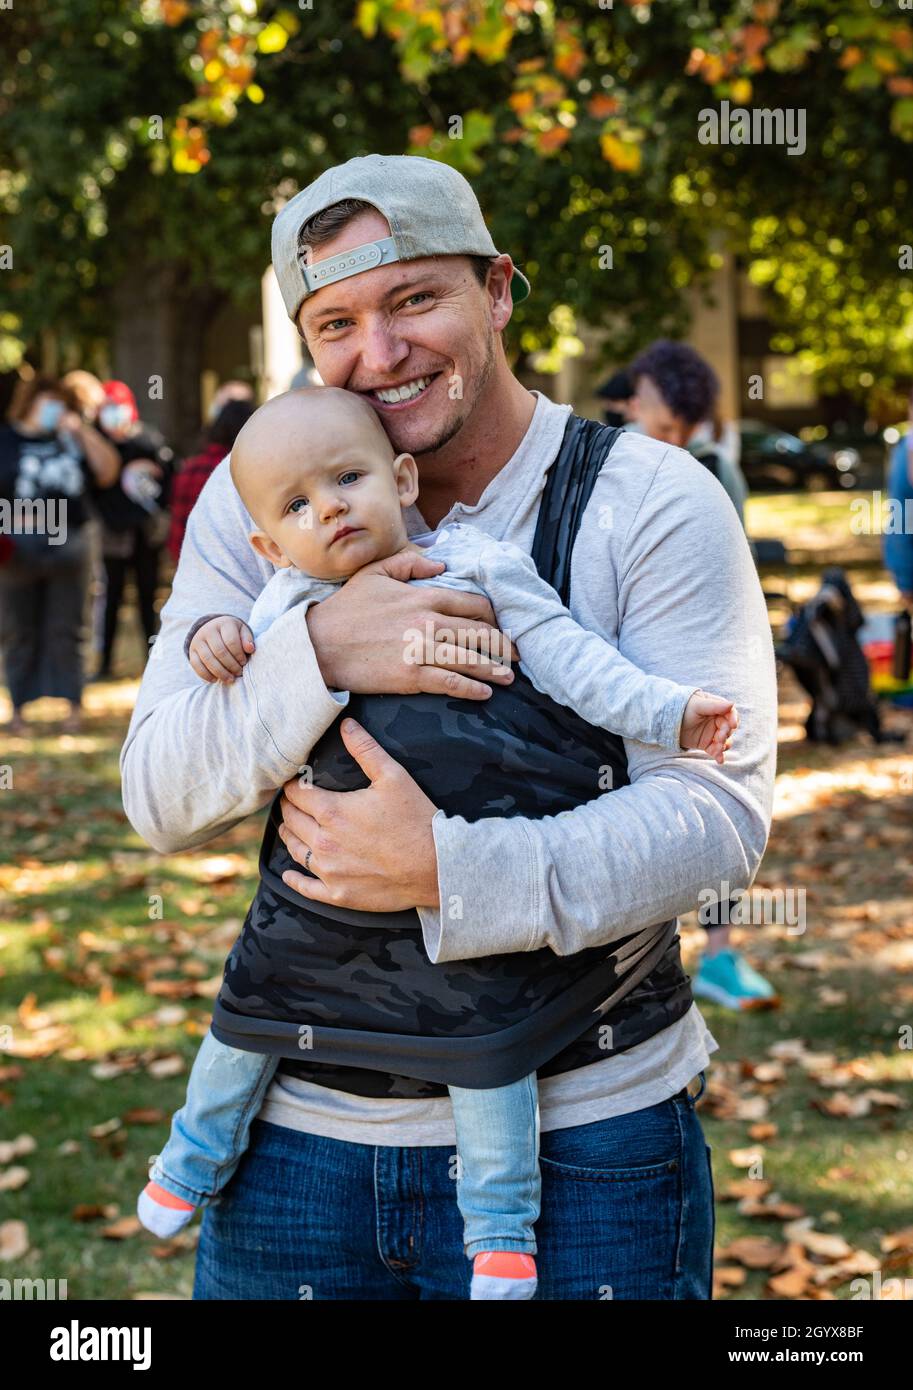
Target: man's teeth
(403,393)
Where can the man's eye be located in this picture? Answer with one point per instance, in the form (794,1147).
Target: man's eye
(299,503)
(335,325)
(419,296)
(350,477)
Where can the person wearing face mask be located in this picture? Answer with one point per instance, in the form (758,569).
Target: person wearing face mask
(49,457)
(133,513)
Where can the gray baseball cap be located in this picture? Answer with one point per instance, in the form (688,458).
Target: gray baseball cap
(430,208)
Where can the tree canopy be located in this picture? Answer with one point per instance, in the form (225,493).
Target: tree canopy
(137,132)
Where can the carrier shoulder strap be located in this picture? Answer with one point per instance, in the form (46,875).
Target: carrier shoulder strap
(568,486)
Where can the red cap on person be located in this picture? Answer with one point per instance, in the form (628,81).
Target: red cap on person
(119,393)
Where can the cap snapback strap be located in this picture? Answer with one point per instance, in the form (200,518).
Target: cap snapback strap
(351,262)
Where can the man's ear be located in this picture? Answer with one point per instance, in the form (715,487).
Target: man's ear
(269,550)
(405,471)
(498,290)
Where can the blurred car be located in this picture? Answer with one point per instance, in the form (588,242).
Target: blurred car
(773,460)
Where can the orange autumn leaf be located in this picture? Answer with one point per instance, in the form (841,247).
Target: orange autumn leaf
(753,38)
(174,11)
(622,155)
(421,135)
(553,139)
(601,106)
(521,102)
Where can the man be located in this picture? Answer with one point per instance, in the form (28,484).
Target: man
(392,278)
(675,400)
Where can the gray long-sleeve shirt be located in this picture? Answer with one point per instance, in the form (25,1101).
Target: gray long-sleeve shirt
(661,570)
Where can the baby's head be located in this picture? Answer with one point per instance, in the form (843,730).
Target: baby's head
(309,464)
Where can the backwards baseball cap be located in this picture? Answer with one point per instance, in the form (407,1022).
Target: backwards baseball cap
(429,207)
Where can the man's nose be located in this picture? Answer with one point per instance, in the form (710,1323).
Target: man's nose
(381,348)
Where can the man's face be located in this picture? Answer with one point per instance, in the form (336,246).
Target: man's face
(655,418)
(416,338)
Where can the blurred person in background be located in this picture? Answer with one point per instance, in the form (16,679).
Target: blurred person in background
(218,438)
(618,395)
(676,396)
(229,391)
(89,393)
(898,544)
(50,457)
(134,515)
(675,400)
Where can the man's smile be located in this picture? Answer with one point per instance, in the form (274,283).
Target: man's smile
(401,394)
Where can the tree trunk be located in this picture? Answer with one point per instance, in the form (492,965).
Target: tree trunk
(160,321)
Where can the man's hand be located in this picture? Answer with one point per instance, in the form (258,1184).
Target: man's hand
(361,635)
(371,849)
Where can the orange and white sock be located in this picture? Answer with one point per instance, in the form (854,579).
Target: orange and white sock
(161,1212)
(503,1274)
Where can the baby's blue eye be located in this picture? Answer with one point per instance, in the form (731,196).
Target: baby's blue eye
(299,501)
(348,475)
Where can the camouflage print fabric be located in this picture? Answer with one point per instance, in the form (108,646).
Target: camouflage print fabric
(361,983)
(350,1000)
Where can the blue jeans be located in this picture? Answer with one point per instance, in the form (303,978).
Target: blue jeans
(626,1212)
(497,1178)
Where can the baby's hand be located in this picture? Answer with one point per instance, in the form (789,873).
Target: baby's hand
(219,649)
(708,723)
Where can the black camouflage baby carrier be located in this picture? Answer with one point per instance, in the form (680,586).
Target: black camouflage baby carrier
(349,999)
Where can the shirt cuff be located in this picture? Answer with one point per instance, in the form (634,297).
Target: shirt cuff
(498,919)
(195,627)
(674,713)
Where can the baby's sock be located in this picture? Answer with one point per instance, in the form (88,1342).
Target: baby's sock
(161,1212)
(503,1274)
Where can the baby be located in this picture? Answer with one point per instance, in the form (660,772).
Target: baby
(318,475)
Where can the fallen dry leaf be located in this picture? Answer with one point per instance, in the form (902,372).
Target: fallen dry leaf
(166,1066)
(14,1240)
(124,1228)
(94,1211)
(16,1148)
(755,1252)
(832,1247)
(745,1158)
(745,1187)
(11,1179)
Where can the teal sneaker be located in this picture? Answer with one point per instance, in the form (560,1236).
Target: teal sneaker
(728,979)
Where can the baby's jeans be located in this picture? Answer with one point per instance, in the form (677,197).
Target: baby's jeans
(211,1130)
(498,1182)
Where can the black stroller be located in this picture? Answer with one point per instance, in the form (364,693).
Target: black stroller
(822,649)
